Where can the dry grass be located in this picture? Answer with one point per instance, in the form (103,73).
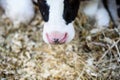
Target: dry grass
(24,55)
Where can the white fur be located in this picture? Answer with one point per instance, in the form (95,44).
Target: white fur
(95,10)
(56,21)
(19,11)
(91,8)
(102,18)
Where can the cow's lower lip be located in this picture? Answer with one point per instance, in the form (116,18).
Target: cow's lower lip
(49,39)
(61,41)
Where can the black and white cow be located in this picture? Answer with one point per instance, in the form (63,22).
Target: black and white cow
(58,16)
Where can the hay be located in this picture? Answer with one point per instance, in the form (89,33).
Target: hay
(24,55)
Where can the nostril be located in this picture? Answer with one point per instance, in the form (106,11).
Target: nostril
(57,37)
(56,40)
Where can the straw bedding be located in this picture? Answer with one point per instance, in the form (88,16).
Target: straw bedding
(24,55)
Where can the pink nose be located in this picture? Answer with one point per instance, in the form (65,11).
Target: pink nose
(57,37)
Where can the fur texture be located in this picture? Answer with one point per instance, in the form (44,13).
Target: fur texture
(96,10)
(56,21)
(19,11)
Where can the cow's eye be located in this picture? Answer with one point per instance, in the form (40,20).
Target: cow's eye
(44,9)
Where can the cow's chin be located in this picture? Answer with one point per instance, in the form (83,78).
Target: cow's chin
(65,29)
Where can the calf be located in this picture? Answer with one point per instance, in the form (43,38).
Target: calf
(59,16)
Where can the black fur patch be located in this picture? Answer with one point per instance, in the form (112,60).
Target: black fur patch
(44,9)
(118,2)
(105,3)
(118,11)
(70,10)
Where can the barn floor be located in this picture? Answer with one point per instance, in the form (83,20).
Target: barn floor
(24,55)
